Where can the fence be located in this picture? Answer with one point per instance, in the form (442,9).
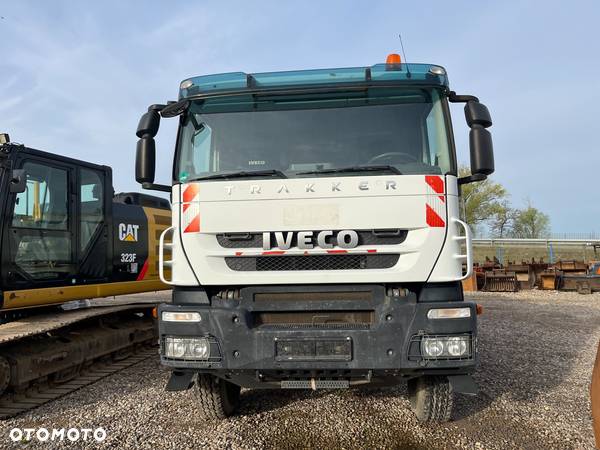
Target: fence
(548,250)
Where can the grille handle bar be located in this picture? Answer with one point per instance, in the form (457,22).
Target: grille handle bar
(161,257)
(468,240)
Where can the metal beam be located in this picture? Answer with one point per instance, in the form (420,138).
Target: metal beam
(536,242)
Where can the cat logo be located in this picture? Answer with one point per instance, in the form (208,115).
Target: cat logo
(128,232)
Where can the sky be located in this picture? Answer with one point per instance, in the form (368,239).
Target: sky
(75,77)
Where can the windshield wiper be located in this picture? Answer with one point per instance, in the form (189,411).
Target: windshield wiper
(384,168)
(242,174)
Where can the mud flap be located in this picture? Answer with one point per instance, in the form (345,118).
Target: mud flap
(463,384)
(180,381)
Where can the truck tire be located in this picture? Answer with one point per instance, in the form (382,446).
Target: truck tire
(217,398)
(431,398)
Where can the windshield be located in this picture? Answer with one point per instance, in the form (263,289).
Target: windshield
(393,131)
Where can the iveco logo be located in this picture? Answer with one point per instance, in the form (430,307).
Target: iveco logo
(310,239)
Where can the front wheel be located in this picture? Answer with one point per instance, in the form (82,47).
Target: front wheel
(431,398)
(217,398)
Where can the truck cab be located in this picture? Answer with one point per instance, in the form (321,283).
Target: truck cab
(316,239)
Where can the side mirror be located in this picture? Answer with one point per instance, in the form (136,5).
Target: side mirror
(477,114)
(145,160)
(482,151)
(145,156)
(149,123)
(480,140)
(18,181)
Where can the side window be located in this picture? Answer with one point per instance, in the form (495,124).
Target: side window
(439,154)
(196,157)
(41,239)
(91,198)
(44,203)
(202,141)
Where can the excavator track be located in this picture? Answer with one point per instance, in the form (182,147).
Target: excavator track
(12,404)
(48,356)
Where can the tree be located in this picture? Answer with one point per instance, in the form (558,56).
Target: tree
(530,223)
(483,200)
(502,223)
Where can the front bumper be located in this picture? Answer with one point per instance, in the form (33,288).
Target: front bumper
(383,329)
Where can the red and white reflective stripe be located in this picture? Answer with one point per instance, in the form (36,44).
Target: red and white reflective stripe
(314,252)
(190,209)
(435,208)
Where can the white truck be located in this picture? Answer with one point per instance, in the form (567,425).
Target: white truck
(316,241)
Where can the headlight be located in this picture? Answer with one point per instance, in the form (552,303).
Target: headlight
(197,348)
(200,348)
(456,346)
(439,347)
(176,349)
(175,316)
(449,313)
(433,347)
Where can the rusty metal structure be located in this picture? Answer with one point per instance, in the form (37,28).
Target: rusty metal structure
(500,280)
(549,279)
(567,274)
(527,273)
(564,275)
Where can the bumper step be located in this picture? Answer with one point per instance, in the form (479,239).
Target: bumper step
(315,384)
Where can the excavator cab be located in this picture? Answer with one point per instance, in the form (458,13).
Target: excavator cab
(54,220)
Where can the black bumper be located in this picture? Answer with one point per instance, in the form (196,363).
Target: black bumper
(379,340)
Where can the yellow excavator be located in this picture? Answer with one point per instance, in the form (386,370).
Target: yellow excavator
(66,238)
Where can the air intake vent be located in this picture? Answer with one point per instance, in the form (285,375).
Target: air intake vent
(316,319)
(316,262)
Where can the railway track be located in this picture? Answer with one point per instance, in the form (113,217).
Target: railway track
(12,404)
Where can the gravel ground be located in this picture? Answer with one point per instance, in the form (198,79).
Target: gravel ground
(536,350)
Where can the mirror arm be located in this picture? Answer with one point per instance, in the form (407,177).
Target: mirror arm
(471,178)
(156,107)
(453,97)
(156,187)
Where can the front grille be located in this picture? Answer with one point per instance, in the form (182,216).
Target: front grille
(326,296)
(365,237)
(317,319)
(315,262)
(240,240)
(317,326)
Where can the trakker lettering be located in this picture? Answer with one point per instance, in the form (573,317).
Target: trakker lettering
(335,186)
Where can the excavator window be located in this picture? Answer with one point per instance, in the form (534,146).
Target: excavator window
(41,237)
(92,205)
(43,204)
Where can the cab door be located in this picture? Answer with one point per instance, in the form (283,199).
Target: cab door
(94,201)
(40,227)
